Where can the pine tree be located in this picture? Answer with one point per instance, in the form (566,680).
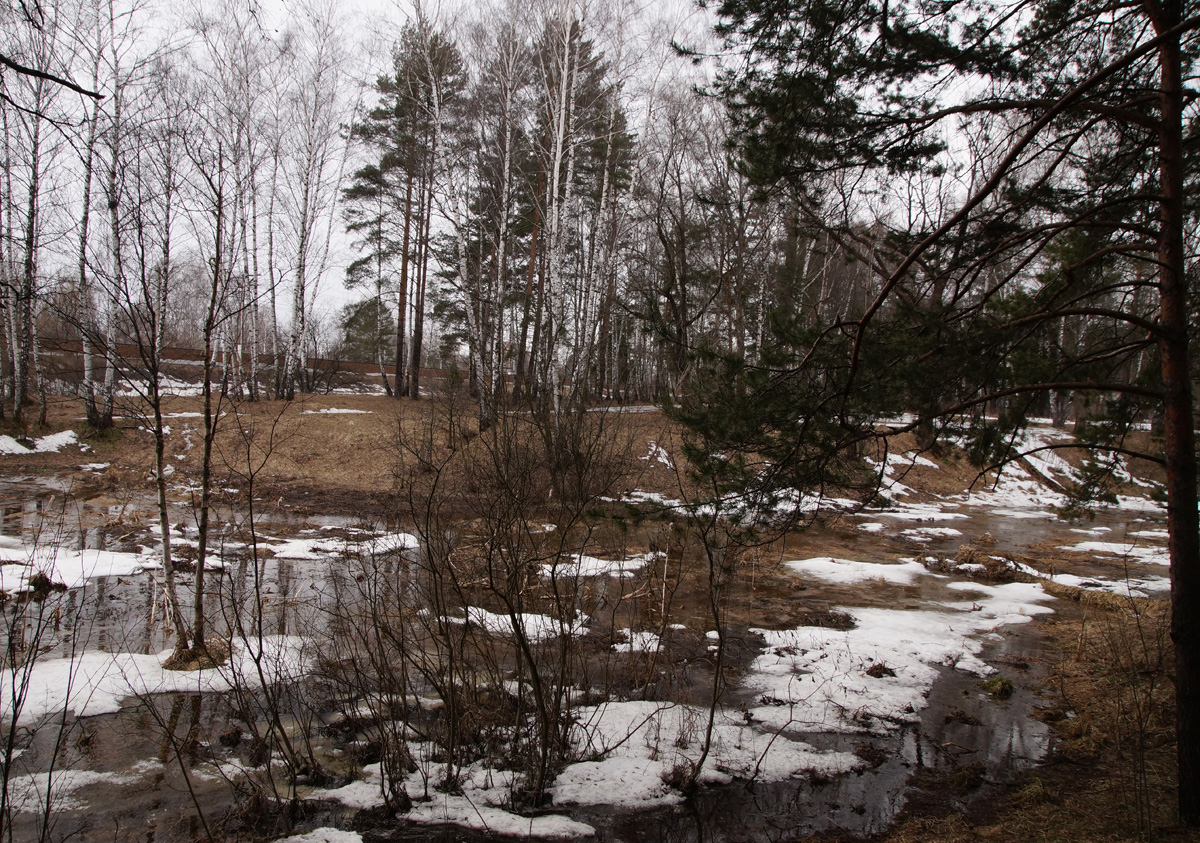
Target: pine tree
(1013,174)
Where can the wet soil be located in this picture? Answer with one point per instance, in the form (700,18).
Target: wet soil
(171,756)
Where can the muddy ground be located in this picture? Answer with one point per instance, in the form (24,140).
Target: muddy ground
(1106,772)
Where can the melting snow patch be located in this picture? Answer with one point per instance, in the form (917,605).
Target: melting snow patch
(166,386)
(872,527)
(388,543)
(1157,555)
(27,793)
(10,446)
(72,568)
(849,572)
(324,835)
(305,548)
(1128,503)
(591,566)
(919,512)
(637,496)
(641,744)
(658,454)
(365,793)
(55,442)
(638,642)
(1022,513)
(536,628)
(51,444)
(924,534)
(336,411)
(481,791)
(1132,587)
(817,678)
(95,682)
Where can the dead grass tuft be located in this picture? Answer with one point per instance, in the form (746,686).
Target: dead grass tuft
(202,657)
(1096,599)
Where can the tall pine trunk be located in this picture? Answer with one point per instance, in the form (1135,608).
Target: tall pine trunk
(1183,525)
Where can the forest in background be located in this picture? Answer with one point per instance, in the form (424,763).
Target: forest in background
(541,195)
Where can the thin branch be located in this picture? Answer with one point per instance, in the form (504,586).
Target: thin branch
(50,77)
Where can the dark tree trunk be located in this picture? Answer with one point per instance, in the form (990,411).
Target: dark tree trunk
(1183,524)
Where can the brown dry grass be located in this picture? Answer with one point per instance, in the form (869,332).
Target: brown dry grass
(319,462)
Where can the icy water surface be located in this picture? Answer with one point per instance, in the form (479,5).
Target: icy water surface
(160,755)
